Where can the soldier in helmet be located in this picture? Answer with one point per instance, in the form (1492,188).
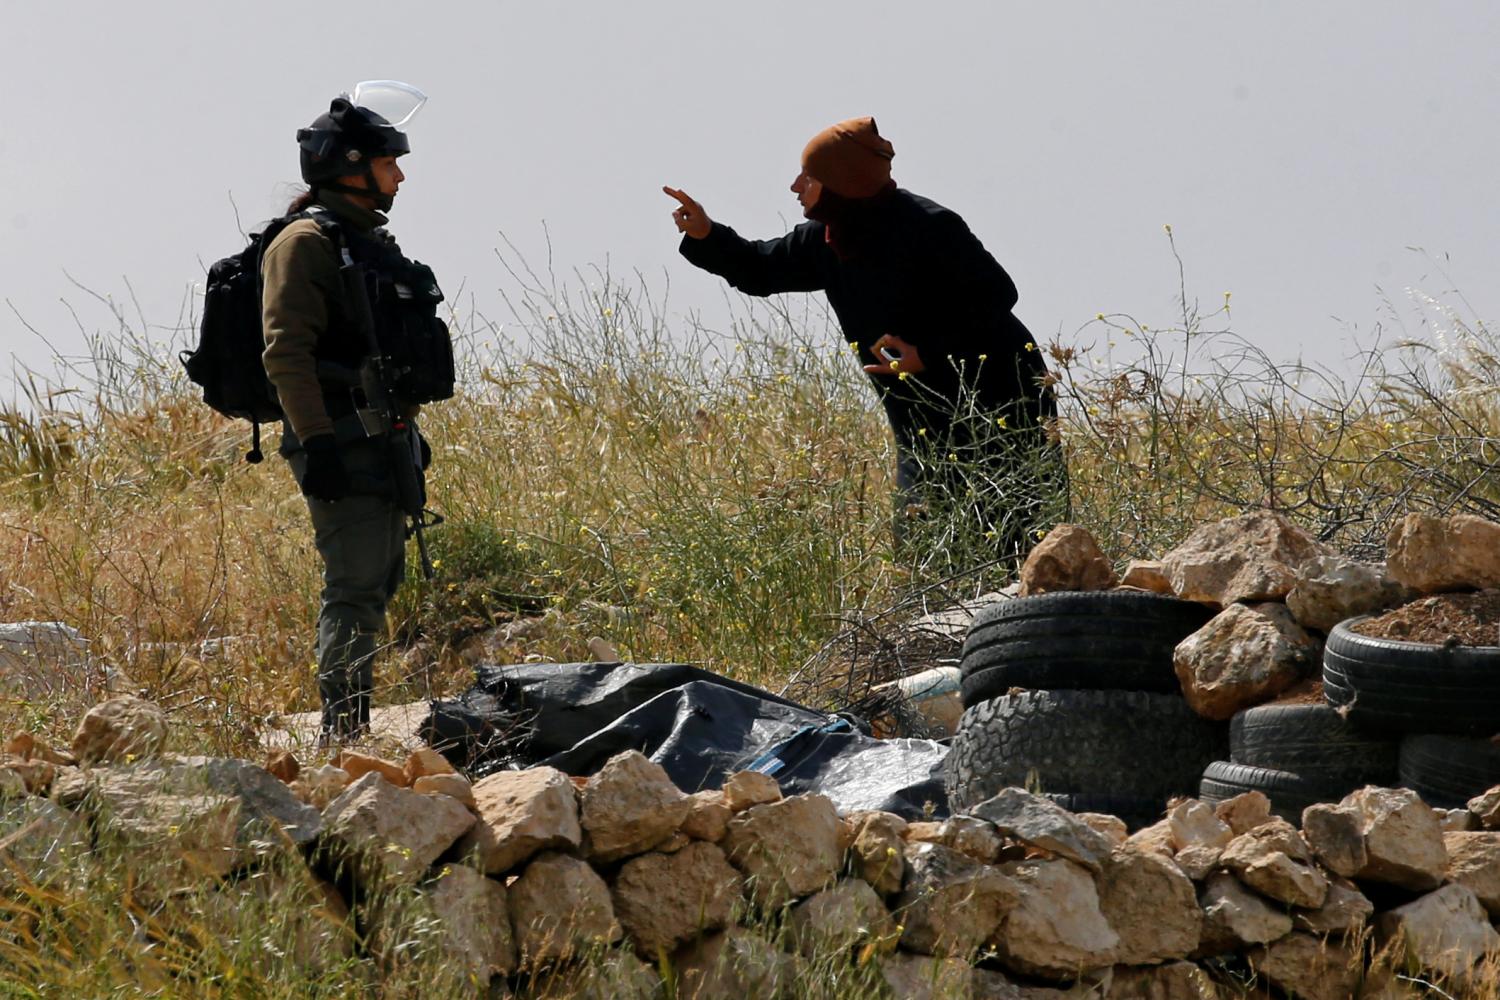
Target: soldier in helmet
(315,348)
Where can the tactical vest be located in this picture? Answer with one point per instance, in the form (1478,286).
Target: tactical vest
(404,296)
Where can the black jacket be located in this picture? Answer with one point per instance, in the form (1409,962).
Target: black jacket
(917,272)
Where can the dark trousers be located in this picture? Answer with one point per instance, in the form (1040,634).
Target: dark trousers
(362,541)
(983,468)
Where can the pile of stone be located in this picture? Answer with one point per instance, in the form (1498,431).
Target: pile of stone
(1279,591)
(747,893)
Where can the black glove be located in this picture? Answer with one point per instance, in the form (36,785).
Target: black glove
(426,452)
(325,478)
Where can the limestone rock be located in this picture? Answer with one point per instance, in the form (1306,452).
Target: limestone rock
(952,904)
(1195,824)
(1273,859)
(1403,839)
(840,918)
(25,777)
(1147,574)
(1067,559)
(1040,822)
(1234,917)
(1199,861)
(215,813)
(1474,862)
(71,787)
(1308,967)
(42,840)
(1337,836)
(455,786)
(734,963)
(629,807)
(360,764)
(425,762)
(560,907)
(175,841)
(321,785)
(1244,812)
(1486,808)
(1173,981)
(1113,827)
(1057,928)
(1345,911)
(972,836)
(27,747)
(923,832)
(664,900)
(1153,839)
(392,834)
(785,849)
(744,789)
(122,728)
(1445,931)
(1253,557)
(43,661)
(708,817)
(1333,587)
(475,918)
(283,766)
(877,852)
(617,975)
(922,977)
(520,814)
(1246,655)
(1432,555)
(1152,906)
(1457,820)
(301,916)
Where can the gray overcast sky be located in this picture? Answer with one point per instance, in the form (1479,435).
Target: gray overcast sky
(1297,148)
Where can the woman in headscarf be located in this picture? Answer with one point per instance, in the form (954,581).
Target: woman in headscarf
(928,310)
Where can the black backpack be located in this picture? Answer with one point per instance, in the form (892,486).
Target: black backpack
(227,361)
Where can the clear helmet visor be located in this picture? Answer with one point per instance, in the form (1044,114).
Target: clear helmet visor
(396,102)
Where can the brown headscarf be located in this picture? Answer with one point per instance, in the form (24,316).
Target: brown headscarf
(850,158)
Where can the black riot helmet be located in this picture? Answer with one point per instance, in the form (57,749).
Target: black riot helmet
(343,141)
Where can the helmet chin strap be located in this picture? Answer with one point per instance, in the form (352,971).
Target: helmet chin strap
(382,201)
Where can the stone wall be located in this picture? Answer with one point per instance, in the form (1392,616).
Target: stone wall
(747,893)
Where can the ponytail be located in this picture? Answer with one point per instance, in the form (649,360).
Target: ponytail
(302,201)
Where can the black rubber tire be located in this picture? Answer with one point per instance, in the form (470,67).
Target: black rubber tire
(1289,793)
(1448,771)
(1136,812)
(1314,741)
(1412,687)
(1121,743)
(1097,640)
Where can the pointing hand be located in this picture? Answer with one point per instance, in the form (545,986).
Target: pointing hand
(689,215)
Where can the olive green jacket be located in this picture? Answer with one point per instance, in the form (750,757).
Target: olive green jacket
(300,276)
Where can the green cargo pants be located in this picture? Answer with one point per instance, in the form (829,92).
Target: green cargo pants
(362,540)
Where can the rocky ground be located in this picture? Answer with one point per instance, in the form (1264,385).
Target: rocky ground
(744,891)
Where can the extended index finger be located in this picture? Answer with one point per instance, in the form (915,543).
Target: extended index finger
(681,196)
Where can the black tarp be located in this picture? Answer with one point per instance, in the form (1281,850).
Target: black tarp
(698,726)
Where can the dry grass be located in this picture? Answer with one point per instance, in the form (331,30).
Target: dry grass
(719,497)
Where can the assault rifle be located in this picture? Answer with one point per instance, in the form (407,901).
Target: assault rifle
(404,447)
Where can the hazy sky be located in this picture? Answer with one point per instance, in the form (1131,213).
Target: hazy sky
(1297,148)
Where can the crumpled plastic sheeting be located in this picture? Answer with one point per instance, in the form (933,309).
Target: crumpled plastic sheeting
(698,726)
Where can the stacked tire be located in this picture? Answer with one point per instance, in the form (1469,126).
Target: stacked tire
(1441,701)
(1074,695)
(1298,755)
